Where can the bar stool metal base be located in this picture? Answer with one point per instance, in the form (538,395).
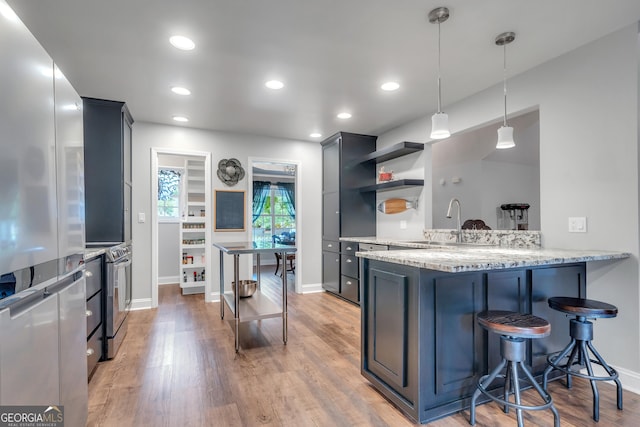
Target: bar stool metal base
(577,353)
(513,355)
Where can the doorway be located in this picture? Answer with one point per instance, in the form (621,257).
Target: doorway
(275,215)
(173,213)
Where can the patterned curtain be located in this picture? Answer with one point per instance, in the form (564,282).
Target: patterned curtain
(261,191)
(168,183)
(289,193)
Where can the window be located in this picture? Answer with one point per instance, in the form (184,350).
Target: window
(169,193)
(275,218)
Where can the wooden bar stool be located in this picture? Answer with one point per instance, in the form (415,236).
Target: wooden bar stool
(513,328)
(581,331)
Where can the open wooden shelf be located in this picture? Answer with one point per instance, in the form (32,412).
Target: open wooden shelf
(393,185)
(393,152)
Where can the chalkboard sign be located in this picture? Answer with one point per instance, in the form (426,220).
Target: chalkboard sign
(229,210)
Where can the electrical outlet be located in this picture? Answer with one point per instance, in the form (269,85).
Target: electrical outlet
(403,225)
(577,224)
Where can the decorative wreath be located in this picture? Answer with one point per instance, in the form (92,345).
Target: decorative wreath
(230,171)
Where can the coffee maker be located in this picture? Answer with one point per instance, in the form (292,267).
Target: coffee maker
(515,216)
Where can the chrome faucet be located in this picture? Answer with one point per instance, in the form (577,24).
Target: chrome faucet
(458,231)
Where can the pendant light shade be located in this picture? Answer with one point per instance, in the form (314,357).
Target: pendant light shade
(505,133)
(440,126)
(440,120)
(505,137)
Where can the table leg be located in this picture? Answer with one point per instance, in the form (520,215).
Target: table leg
(258,269)
(284,297)
(236,299)
(221,285)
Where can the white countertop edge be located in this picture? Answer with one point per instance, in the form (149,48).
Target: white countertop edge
(461,259)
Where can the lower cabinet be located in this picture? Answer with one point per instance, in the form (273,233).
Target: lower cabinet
(331,271)
(349,288)
(390,343)
(94,312)
(455,352)
(565,281)
(421,345)
(340,270)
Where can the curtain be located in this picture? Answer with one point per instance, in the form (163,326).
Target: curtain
(168,183)
(289,194)
(261,191)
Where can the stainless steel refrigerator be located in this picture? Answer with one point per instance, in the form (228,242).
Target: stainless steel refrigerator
(42,236)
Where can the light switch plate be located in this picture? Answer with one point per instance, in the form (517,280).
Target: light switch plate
(577,224)
(141,217)
(403,224)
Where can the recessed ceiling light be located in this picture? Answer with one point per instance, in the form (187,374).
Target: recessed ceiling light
(274,84)
(344,116)
(181,119)
(180,90)
(182,42)
(315,135)
(390,86)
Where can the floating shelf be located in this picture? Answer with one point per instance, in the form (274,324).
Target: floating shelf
(393,185)
(393,152)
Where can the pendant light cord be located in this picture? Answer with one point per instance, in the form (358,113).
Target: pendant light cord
(439,91)
(504,79)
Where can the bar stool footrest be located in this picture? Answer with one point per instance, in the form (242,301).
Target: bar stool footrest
(567,369)
(548,400)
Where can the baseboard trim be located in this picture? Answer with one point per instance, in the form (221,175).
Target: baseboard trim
(311,288)
(213,297)
(630,380)
(141,304)
(168,280)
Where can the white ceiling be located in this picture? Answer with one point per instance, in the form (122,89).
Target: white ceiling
(332,55)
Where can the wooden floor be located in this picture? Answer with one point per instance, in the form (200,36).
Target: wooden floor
(178,367)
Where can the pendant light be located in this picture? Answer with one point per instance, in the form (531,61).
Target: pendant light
(505,133)
(440,120)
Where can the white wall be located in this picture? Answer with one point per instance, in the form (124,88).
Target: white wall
(588,101)
(223,146)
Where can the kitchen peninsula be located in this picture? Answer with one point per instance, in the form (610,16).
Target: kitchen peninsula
(421,346)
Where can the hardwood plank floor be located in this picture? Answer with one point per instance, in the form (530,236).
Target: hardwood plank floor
(178,367)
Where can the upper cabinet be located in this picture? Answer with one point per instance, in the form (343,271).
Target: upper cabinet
(346,211)
(107,157)
(28,201)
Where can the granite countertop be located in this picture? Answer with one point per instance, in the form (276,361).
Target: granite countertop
(470,257)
